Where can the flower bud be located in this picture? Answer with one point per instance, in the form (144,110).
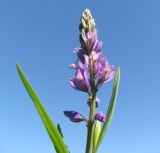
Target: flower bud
(74,116)
(100,117)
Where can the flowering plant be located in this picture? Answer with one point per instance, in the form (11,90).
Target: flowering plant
(92,69)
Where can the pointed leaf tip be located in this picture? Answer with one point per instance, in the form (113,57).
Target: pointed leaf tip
(52,130)
(111,107)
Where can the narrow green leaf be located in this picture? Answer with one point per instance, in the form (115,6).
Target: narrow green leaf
(110,108)
(54,134)
(60,131)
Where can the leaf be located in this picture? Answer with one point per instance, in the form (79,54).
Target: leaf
(54,134)
(110,108)
(97,131)
(60,131)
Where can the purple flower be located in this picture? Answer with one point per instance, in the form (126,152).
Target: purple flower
(100,117)
(82,56)
(105,70)
(89,61)
(74,116)
(81,81)
(90,39)
(97,102)
(95,55)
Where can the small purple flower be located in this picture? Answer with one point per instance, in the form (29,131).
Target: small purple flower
(90,61)
(95,55)
(77,85)
(74,116)
(81,81)
(105,70)
(100,117)
(90,39)
(110,75)
(97,102)
(80,54)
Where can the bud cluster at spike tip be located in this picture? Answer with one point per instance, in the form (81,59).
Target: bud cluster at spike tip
(91,67)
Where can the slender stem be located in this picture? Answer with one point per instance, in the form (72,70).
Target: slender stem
(90,127)
(89,139)
(89,145)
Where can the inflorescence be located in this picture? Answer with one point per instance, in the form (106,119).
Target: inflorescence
(92,69)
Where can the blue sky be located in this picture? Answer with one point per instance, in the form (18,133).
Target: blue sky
(41,36)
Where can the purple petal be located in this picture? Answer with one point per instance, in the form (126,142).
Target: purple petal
(80,54)
(82,74)
(100,117)
(79,75)
(91,41)
(73,66)
(110,75)
(86,81)
(80,65)
(86,61)
(95,55)
(78,84)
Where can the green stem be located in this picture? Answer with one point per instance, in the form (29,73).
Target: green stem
(89,145)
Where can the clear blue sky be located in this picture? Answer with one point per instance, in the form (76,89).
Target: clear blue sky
(41,35)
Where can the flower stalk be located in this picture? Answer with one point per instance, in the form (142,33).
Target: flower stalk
(92,70)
